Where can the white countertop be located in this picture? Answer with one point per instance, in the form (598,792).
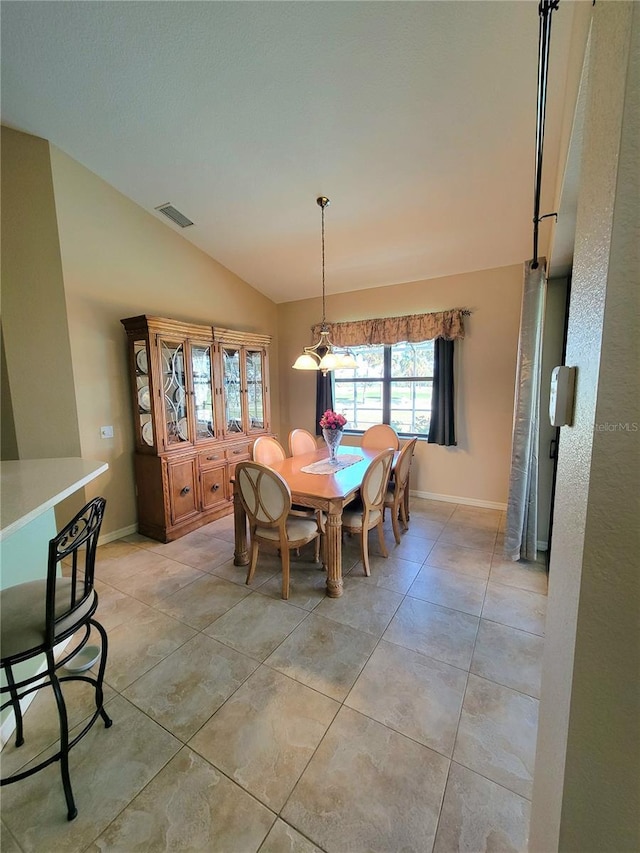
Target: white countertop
(29,487)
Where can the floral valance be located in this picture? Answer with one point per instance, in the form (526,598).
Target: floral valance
(391,330)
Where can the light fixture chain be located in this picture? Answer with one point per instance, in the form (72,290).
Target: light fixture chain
(324,318)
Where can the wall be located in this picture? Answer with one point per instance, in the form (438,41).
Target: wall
(477,470)
(586,786)
(42,414)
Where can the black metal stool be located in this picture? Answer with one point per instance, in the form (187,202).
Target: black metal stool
(37,616)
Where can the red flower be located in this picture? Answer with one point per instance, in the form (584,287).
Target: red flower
(332,420)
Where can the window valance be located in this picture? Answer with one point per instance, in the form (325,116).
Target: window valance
(391,330)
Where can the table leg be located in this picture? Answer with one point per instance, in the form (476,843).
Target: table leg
(240,554)
(333,540)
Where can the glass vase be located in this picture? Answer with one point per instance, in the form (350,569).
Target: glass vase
(332,437)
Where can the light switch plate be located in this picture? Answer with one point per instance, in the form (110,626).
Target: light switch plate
(106,432)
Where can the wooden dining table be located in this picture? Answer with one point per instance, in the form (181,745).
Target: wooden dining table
(327,492)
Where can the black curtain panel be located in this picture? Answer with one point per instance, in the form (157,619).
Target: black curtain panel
(442,429)
(324,397)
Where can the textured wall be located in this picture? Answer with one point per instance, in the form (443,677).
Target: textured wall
(586,783)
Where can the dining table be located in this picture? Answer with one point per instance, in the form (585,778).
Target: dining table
(329,492)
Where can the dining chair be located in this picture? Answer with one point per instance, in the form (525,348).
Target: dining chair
(301,441)
(379,437)
(367,512)
(39,615)
(398,489)
(266,499)
(267,450)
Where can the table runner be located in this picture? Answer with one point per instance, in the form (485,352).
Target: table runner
(324,466)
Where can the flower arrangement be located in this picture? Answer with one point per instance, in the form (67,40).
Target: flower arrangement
(332,420)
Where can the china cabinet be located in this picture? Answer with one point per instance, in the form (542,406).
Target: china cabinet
(200,397)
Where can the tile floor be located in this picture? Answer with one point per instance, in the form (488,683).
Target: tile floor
(401,716)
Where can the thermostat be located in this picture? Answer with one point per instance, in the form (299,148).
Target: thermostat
(561,396)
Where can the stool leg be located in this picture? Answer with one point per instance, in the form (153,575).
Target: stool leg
(72,811)
(108,722)
(15,703)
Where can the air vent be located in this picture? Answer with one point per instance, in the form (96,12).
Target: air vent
(174,215)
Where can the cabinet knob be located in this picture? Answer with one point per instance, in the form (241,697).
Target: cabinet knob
(237,452)
(215,487)
(211,458)
(185,491)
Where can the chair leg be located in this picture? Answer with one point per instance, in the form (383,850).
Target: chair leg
(285,557)
(316,553)
(383,544)
(364,550)
(15,704)
(72,811)
(396,526)
(108,722)
(253,561)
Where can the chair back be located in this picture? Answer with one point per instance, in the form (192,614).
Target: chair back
(375,481)
(403,465)
(301,441)
(379,437)
(67,598)
(267,450)
(265,496)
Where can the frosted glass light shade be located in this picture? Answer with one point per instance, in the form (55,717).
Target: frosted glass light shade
(346,361)
(305,362)
(329,361)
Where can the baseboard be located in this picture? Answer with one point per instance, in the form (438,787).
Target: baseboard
(454,499)
(117,534)
(542,546)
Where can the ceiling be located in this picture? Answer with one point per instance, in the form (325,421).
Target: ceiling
(417,119)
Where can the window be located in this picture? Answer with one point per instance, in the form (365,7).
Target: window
(392,384)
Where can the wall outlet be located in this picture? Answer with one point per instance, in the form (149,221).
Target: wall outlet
(106,432)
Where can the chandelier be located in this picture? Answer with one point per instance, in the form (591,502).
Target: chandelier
(324,355)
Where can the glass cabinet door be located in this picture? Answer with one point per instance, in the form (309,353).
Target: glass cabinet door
(202,391)
(175,391)
(255,389)
(232,389)
(143,392)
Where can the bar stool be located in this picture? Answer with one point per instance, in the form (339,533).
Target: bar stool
(37,616)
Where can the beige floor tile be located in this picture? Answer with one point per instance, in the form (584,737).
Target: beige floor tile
(476,516)
(412,694)
(391,573)
(265,734)
(324,655)
(509,657)
(470,537)
(368,788)
(41,724)
(135,647)
(116,607)
(515,607)
(531,576)
(189,685)
(424,528)
(497,734)
(108,768)
(307,585)
(202,601)
(8,844)
(415,549)
(439,632)
(257,625)
(457,558)
(363,605)
(189,806)
(238,574)
(149,578)
(449,589)
(478,815)
(285,839)
(114,551)
(431,510)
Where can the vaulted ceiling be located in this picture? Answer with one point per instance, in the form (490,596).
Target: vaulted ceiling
(417,119)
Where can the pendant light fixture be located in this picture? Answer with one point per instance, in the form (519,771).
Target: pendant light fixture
(324,355)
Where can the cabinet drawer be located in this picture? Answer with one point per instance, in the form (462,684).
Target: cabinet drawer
(183,496)
(239,452)
(214,487)
(211,458)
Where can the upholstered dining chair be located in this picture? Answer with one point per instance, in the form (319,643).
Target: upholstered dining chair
(266,499)
(379,437)
(301,441)
(397,491)
(367,511)
(39,615)
(267,450)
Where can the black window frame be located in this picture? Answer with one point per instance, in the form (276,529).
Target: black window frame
(387,380)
